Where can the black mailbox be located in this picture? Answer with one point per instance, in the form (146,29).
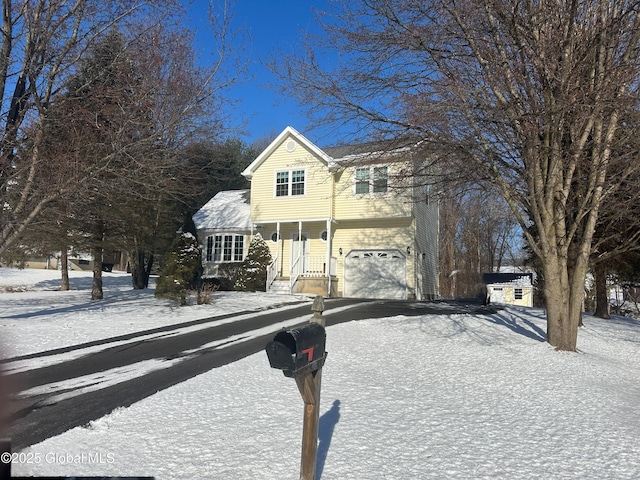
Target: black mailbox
(298,350)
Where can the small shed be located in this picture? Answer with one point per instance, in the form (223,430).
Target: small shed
(509,288)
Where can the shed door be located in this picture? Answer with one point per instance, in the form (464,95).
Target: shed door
(375,274)
(497,295)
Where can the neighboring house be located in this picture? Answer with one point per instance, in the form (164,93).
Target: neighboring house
(224,230)
(339,222)
(509,288)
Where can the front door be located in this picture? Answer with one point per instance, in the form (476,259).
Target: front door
(299,253)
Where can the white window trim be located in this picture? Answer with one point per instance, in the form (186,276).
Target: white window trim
(371,179)
(210,253)
(289,182)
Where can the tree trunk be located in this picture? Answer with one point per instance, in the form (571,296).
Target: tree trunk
(565,271)
(557,315)
(563,320)
(96,287)
(64,266)
(564,295)
(148,269)
(602,300)
(140,270)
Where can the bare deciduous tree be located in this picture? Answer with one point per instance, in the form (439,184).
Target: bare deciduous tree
(42,45)
(477,235)
(526,96)
(122,119)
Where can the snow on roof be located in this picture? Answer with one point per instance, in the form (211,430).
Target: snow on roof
(228,210)
(519,279)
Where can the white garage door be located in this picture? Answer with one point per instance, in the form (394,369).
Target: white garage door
(375,274)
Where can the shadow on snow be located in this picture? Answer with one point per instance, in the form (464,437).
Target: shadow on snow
(328,422)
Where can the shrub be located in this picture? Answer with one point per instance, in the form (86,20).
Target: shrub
(228,274)
(253,276)
(181,271)
(205,294)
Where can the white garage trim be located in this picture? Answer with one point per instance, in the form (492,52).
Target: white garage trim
(375,273)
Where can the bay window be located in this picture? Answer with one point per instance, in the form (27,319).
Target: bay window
(225,248)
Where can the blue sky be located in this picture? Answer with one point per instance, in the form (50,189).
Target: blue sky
(273,25)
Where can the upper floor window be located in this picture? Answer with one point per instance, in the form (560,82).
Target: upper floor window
(290,183)
(225,248)
(372,180)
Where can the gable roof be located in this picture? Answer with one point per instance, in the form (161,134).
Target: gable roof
(339,156)
(289,131)
(374,149)
(228,210)
(518,279)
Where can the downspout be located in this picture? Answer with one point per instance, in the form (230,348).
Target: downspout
(332,190)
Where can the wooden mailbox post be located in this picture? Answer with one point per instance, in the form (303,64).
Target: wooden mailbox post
(300,354)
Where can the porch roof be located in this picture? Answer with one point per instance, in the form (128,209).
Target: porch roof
(289,221)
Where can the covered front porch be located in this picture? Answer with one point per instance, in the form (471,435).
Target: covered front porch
(302,257)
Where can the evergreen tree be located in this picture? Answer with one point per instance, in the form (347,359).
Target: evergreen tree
(181,271)
(253,275)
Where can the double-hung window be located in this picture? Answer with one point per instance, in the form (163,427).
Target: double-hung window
(225,248)
(362,180)
(372,180)
(290,183)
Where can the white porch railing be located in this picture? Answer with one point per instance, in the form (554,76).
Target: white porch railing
(312,266)
(272,272)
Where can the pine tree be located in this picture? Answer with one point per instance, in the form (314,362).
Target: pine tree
(181,271)
(253,275)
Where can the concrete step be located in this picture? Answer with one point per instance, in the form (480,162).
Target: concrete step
(281,287)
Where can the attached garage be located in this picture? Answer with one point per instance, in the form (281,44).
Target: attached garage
(375,274)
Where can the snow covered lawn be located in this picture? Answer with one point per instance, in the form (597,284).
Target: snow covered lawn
(442,397)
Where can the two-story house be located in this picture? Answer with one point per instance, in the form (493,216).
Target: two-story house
(339,222)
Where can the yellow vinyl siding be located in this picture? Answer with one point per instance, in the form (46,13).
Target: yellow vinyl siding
(316,201)
(510,297)
(349,205)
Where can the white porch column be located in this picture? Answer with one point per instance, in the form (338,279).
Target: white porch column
(278,247)
(328,261)
(300,244)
